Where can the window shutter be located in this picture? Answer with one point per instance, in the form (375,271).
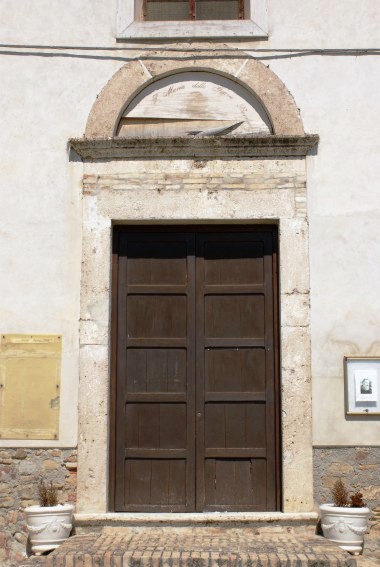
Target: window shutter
(179,10)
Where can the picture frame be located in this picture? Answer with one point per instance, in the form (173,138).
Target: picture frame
(362,385)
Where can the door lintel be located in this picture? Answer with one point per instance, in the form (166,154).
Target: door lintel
(212,147)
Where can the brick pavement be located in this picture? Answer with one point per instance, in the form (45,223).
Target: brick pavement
(196,547)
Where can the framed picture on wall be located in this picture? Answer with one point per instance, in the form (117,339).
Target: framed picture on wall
(362,385)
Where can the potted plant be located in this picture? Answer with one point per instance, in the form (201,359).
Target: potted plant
(50,523)
(345,521)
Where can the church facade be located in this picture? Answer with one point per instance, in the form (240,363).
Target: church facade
(189,246)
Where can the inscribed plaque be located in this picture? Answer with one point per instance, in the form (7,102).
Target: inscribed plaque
(30,369)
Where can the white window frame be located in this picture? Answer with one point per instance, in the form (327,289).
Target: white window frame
(128,27)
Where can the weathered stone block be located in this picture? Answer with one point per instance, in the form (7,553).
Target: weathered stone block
(21,537)
(4,454)
(372,492)
(51,465)
(28,492)
(341,468)
(361,454)
(27,467)
(20,454)
(295,307)
(6,501)
(5,488)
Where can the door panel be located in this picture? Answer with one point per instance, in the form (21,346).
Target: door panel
(235,424)
(233,483)
(156,316)
(156,370)
(155,373)
(236,262)
(196,414)
(235,370)
(155,483)
(150,426)
(234,314)
(149,263)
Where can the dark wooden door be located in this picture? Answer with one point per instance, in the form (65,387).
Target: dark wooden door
(195,398)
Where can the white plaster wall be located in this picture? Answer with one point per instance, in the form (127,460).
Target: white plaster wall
(44,101)
(46,96)
(322,24)
(339,98)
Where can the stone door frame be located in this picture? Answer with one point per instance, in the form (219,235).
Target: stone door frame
(271,188)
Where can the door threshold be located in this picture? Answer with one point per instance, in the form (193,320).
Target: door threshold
(139,518)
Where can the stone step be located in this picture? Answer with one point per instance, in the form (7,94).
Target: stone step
(199,546)
(296,522)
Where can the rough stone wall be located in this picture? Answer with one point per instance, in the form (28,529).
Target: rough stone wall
(358,467)
(20,471)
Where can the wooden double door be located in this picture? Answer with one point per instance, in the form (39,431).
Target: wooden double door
(195,393)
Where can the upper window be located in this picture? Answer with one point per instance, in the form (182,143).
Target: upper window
(155,19)
(179,10)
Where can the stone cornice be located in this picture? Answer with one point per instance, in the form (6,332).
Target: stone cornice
(194,147)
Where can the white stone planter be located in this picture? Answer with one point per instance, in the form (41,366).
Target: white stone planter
(48,526)
(345,526)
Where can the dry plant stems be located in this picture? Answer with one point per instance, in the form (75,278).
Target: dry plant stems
(357,500)
(340,496)
(47,494)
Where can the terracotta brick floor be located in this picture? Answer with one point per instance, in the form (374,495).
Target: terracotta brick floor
(197,547)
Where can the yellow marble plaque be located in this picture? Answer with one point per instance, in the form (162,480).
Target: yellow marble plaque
(30,371)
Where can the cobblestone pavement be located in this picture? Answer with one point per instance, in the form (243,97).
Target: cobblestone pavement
(197,547)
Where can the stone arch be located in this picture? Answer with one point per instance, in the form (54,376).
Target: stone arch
(193,103)
(251,74)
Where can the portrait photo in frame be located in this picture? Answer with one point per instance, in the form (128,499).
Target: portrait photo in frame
(362,385)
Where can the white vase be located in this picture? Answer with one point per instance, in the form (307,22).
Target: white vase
(345,526)
(48,526)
